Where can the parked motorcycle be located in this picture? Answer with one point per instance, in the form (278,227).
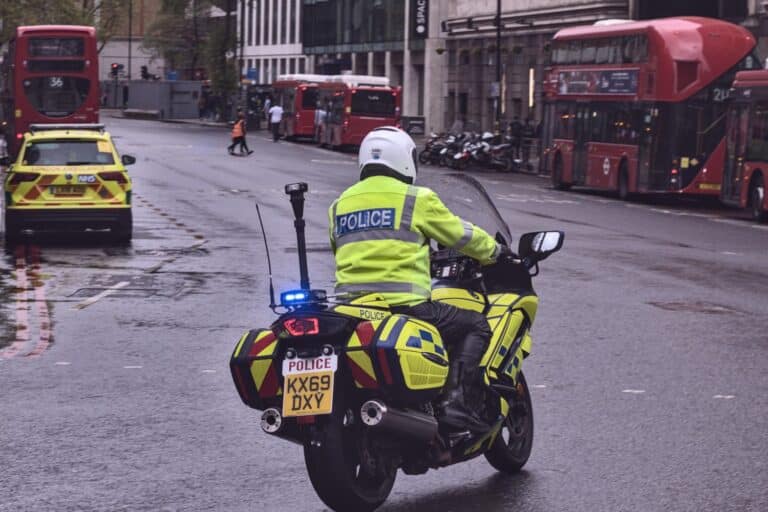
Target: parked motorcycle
(432,149)
(357,385)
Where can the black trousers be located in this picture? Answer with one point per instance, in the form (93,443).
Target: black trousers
(465,333)
(239,140)
(275,131)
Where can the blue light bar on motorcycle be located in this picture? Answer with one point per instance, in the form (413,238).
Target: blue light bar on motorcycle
(296,297)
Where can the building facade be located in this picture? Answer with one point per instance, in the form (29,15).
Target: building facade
(270,35)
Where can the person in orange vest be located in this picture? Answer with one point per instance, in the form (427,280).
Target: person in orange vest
(238,136)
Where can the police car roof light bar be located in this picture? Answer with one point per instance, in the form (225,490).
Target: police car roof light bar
(296,191)
(272,304)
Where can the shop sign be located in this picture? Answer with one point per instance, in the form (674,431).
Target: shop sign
(420,19)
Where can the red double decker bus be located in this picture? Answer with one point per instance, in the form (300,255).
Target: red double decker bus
(298,95)
(50,75)
(639,107)
(356,104)
(746,158)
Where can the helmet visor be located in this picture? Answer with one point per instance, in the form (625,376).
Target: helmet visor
(415,158)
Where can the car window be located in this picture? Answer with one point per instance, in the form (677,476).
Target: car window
(68,152)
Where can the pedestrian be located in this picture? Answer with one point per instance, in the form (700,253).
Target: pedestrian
(320,115)
(275,118)
(201,106)
(267,105)
(528,133)
(516,132)
(238,135)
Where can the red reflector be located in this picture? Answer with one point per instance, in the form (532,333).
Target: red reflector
(113,176)
(20,177)
(674,171)
(302,326)
(305,420)
(19,135)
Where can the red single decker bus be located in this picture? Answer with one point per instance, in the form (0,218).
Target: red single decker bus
(746,156)
(50,75)
(298,95)
(639,107)
(356,104)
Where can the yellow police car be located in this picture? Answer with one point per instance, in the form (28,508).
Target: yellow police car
(68,178)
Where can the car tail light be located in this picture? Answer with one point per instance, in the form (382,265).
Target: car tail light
(19,135)
(302,326)
(113,176)
(21,177)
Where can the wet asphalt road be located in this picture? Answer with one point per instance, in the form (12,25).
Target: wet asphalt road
(648,370)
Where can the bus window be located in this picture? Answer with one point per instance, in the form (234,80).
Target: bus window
(598,132)
(573,54)
(373,103)
(559,52)
(56,96)
(588,52)
(566,123)
(309,98)
(288,99)
(757,149)
(56,47)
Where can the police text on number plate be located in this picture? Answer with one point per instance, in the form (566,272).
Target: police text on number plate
(308,386)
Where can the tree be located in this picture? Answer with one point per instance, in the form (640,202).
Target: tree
(104,15)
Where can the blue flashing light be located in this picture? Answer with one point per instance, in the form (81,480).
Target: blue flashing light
(295,296)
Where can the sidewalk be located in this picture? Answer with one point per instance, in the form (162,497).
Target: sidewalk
(154,115)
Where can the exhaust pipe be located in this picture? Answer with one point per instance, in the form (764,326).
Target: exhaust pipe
(271,421)
(413,425)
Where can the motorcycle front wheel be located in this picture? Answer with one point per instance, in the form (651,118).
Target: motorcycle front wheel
(424,156)
(347,474)
(511,449)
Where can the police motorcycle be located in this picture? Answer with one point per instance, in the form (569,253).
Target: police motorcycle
(356,385)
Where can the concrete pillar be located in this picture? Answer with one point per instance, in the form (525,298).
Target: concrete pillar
(410,87)
(354,63)
(370,63)
(311,64)
(388,67)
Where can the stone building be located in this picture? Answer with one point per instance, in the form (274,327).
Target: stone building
(131,35)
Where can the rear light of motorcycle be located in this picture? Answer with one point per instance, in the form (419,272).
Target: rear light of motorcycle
(302,326)
(21,177)
(113,176)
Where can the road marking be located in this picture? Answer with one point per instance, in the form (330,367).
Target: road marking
(731,253)
(133,367)
(633,391)
(45,336)
(539,386)
(209,371)
(724,397)
(106,293)
(62,363)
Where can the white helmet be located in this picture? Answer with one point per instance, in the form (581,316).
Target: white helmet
(392,148)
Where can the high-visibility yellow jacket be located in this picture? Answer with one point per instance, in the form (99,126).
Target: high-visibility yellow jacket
(380,230)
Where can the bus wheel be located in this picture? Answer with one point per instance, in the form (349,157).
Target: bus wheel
(757,198)
(557,175)
(623,187)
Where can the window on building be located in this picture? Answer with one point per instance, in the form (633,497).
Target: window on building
(250,22)
(302,62)
(291,66)
(292,21)
(283,21)
(265,19)
(275,16)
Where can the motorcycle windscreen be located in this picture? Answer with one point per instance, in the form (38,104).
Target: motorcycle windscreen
(468,199)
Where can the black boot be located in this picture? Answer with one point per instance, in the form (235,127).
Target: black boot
(455,408)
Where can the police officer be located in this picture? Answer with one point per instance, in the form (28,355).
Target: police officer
(380,230)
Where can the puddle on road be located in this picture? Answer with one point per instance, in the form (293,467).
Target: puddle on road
(696,307)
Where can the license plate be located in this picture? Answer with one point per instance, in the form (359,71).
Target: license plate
(67,190)
(308,385)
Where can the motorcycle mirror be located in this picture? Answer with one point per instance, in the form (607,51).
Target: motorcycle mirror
(538,245)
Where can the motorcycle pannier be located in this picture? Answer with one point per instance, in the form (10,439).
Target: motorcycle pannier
(254,369)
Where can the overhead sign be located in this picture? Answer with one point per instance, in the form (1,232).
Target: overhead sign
(595,81)
(419,19)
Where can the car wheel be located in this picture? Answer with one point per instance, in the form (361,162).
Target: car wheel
(122,232)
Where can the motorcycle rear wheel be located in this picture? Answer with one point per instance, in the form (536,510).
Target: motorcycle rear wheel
(337,472)
(425,156)
(511,449)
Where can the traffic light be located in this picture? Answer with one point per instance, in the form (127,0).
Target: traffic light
(115,69)
(144,73)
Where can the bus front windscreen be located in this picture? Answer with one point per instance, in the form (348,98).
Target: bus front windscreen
(373,103)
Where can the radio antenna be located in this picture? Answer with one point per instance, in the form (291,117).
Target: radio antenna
(272,304)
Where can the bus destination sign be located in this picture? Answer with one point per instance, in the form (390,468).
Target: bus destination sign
(598,81)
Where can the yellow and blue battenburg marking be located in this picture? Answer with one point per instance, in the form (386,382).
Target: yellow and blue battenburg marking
(425,337)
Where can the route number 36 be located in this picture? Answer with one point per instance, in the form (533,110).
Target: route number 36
(55,82)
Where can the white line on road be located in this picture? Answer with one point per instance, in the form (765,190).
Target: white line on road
(109,291)
(633,391)
(62,363)
(133,367)
(539,386)
(731,253)
(209,371)
(724,397)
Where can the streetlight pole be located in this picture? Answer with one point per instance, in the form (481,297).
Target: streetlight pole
(498,67)
(130,35)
